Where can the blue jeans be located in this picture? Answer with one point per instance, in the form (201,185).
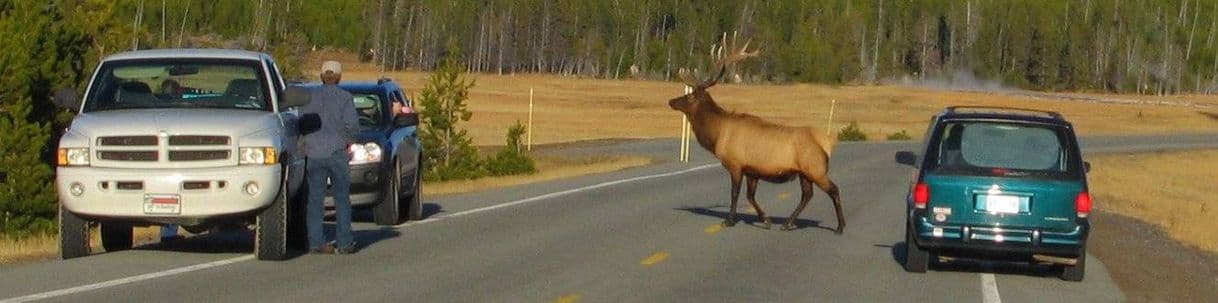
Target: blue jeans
(336,170)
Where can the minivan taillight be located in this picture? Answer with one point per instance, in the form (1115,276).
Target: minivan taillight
(921,195)
(1082,204)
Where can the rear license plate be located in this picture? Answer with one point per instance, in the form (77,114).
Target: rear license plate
(1002,204)
(162,204)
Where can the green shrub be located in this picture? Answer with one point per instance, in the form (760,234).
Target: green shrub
(851,133)
(899,136)
(512,160)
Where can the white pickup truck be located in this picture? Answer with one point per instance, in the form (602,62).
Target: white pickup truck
(194,137)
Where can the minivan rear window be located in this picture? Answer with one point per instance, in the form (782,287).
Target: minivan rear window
(1003,149)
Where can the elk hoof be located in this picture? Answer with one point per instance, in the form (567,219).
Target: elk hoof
(788,227)
(767,225)
(840,230)
(729,223)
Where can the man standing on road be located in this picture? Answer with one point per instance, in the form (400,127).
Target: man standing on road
(327,153)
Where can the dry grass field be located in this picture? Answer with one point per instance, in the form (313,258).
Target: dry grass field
(1173,190)
(573,109)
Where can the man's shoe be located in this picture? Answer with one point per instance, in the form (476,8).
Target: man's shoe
(327,249)
(346,250)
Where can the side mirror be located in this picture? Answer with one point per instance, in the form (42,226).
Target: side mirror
(66,99)
(1086,167)
(308,124)
(405,120)
(295,96)
(907,158)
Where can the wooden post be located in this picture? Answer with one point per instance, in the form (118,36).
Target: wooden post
(684,139)
(529,139)
(829,127)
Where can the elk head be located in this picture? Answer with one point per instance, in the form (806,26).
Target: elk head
(689,103)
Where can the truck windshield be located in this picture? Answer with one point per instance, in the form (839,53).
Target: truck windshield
(139,84)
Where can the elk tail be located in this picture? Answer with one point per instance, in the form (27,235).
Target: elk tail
(826,142)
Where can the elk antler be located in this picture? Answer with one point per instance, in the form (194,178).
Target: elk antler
(720,66)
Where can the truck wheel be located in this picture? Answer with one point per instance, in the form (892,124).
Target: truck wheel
(386,212)
(298,235)
(1075,273)
(116,236)
(270,231)
(73,235)
(415,208)
(916,259)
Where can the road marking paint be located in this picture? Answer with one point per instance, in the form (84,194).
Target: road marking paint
(989,289)
(784,196)
(559,194)
(654,258)
(181,270)
(714,228)
(571,298)
(127,280)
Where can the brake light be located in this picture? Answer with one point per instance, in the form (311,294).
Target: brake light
(1082,204)
(921,195)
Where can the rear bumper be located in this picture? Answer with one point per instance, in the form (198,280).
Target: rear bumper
(989,239)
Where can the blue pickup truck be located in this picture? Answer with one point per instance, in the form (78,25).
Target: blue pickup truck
(386,159)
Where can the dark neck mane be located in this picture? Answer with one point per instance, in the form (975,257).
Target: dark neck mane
(706,121)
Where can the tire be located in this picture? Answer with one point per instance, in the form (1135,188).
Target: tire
(1075,273)
(414,206)
(917,260)
(271,226)
(73,235)
(386,212)
(116,236)
(298,234)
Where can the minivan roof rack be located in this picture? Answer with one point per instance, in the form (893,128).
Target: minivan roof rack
(1001,109)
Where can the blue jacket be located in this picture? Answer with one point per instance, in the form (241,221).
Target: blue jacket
(339,122)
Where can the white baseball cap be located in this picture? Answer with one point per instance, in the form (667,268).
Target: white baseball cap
(332,66)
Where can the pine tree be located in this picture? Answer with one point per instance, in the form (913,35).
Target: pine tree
(443,98)
(27,200)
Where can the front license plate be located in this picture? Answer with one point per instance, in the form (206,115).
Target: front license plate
(162,204)
(1002,204)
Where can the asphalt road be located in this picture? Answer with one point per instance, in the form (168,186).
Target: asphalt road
(648,234)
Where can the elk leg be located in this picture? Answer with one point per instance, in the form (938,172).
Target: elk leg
(731,216)
(830,188)
(805,195)
(752,195)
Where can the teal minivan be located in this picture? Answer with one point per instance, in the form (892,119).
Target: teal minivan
(998,183)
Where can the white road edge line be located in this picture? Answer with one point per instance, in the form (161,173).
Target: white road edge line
(989,289)
(127,280)
(181,270)
(557,194)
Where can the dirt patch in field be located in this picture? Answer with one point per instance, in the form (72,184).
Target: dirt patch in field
(1173,190)
(1158,229)
(1148,265)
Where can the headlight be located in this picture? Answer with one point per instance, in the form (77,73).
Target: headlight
(73,157)
(258,155)
(365,153)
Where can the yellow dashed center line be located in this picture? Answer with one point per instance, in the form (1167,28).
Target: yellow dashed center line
(713,228)
(571,298)
(654,258)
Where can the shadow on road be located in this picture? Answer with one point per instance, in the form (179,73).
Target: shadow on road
(974,266)
(239,240)
(751,219)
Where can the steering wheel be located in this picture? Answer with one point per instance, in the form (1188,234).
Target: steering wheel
(364,120)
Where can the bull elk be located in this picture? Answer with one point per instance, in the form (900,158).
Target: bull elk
(754,149)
